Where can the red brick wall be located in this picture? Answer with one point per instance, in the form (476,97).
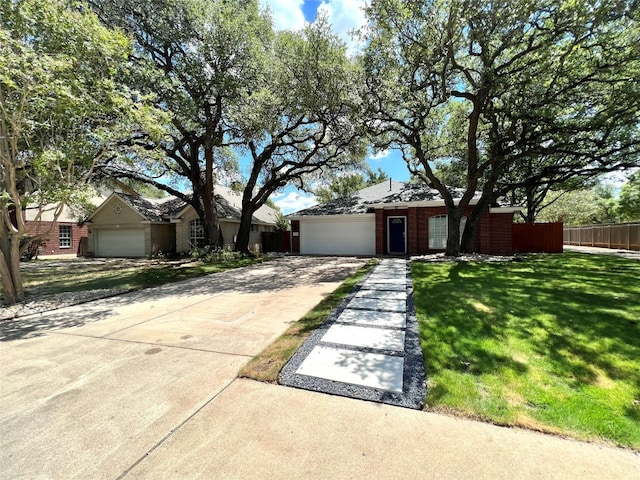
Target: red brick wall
(493,235)
(52,241)
(381,241)
(412,233)
(295,239)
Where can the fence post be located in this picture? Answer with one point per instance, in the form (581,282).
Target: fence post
(628,236)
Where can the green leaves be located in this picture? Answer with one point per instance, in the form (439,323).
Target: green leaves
(629,200)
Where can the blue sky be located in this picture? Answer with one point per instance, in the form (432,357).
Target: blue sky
(344,15)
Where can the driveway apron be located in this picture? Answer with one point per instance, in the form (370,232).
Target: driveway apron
(90,391)
(369,347)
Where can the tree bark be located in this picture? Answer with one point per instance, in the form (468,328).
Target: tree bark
(453,231)
(244,230)
(12,289)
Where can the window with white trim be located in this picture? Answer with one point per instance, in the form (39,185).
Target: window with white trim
(64,236)
(438,231)
(196,234)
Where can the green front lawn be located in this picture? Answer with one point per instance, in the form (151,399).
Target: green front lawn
(550,343)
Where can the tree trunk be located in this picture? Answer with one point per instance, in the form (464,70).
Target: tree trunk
(211,224)
(244,230)
(530,217)
(12,289)
(468,243)
(473,220)
(453,231)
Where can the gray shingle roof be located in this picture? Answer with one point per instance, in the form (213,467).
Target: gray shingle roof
(421,193)
(356,203)
(386,192)
(229,205)
(151,210)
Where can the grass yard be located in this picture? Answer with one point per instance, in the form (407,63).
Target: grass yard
(56,276)
(551,343)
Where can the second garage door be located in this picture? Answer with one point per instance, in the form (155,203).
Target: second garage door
(120,243)
(352,235)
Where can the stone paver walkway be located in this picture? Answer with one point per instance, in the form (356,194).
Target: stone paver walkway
(369,346)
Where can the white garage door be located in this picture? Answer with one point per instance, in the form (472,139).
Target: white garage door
(120,243)
(338,236)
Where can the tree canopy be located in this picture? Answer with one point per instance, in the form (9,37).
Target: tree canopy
(343,185)
(513,94)
(61,109)
(629,201)
(233,88)
(199,59)
(305,123)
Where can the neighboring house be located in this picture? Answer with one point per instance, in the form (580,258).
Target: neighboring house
(392,218)
(126,225)
(65,235)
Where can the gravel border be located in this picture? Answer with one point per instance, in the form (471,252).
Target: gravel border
(48,303)
(414,378)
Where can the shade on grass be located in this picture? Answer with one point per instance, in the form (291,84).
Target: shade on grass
(68,276)
(551,343)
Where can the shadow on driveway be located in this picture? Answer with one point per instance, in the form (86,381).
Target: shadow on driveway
(273,276)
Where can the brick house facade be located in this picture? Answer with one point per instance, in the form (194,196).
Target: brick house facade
(64,237)
(493,233)
(393,218)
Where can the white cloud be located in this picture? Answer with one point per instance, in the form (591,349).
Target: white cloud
(345,16)
(380,155)
(287,14)
(294,201)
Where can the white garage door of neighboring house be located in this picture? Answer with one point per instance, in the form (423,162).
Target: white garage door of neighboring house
(120,243)
(338,236)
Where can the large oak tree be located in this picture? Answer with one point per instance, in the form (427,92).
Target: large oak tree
(199,59)
(304,123)
(519,94)
(61,109)
(235,88)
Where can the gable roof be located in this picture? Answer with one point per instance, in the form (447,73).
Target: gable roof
(383,194)
(151,210)
(356,203)
(229,205)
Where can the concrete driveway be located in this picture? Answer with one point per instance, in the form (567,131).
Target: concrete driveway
(87,391)
(143,386)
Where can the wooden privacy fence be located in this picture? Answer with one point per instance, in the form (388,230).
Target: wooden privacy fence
(276,242)
(537,237)
(619,235)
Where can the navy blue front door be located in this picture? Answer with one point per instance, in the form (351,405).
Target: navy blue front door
(396,235)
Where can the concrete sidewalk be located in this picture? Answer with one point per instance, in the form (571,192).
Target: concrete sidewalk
(628,254)
(144,386)
(369,347)
(254,430)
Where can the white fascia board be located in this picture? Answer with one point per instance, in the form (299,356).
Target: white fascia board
(422,203)
(338,218)
(505,209)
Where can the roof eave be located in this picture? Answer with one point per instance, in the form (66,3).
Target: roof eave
(419,203)
(505,209)
(308,217)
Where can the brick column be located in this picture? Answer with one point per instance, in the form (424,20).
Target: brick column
(380,250)
(412,231)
